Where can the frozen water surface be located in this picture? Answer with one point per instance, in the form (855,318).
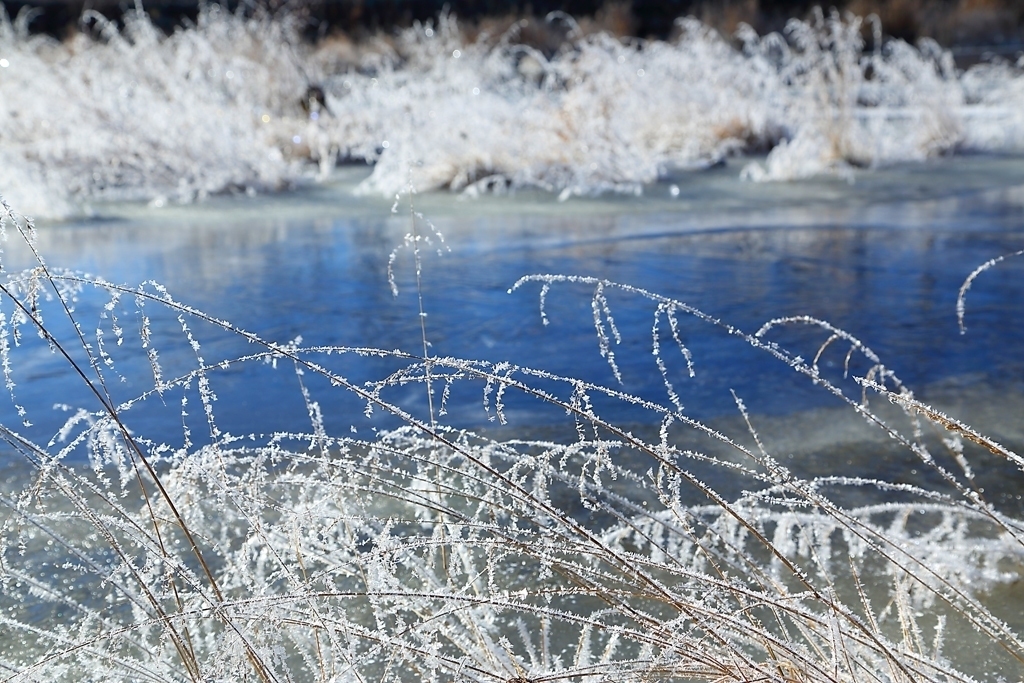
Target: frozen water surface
(881,256)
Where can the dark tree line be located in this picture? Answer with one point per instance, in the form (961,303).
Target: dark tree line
(952,22)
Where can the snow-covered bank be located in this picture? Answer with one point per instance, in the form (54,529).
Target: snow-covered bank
(234,104)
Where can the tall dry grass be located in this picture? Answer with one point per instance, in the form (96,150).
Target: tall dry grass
(426,552)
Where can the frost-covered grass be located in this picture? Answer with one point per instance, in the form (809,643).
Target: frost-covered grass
(432,553)
(237,104)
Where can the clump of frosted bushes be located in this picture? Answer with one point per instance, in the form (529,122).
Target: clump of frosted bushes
(243,104)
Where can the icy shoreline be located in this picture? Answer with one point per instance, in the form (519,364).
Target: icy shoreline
(235,104)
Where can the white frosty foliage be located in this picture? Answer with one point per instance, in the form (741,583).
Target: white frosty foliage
(430,553)
(234,103)
(136,115)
